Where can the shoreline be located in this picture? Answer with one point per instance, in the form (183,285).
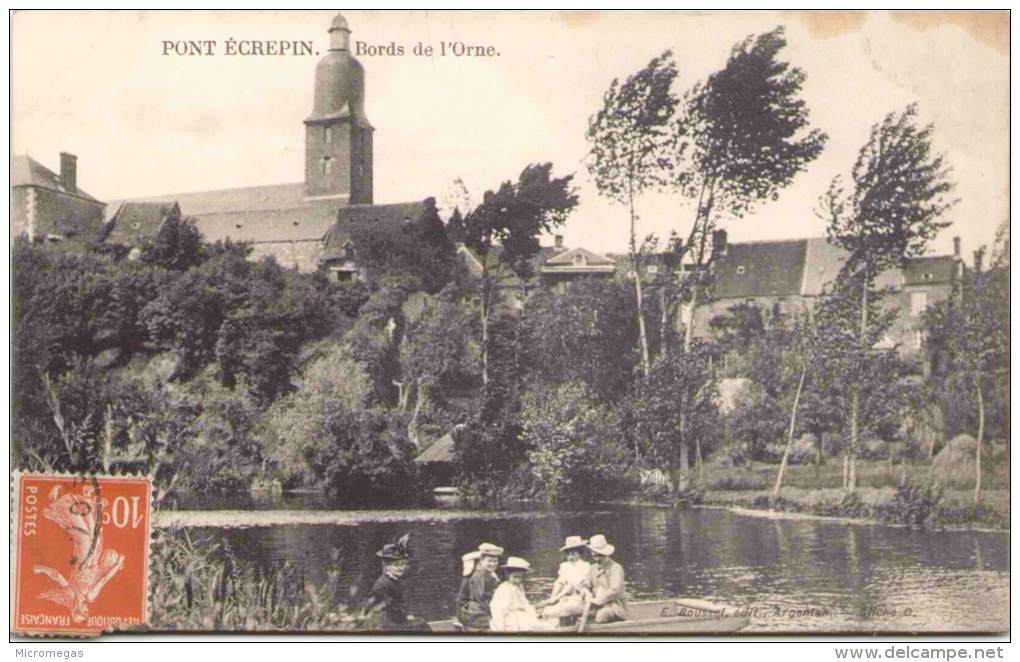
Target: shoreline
(806,506)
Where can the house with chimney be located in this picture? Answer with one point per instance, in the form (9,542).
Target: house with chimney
(787,277)
(565,266)
(48,207)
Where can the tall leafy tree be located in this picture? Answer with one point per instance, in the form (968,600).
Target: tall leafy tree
(455,226)
(177,245)
(740,137)
(973,334)
(858,371)
(675,409)
(890,210)
(629,138)
(504,230)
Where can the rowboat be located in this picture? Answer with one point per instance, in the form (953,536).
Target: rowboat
(679,616)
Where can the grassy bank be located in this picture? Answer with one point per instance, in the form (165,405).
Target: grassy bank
(954,509)
(897,494)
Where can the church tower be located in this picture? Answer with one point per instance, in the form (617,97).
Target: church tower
(338,136)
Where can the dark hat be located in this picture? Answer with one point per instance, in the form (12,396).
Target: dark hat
(397,551)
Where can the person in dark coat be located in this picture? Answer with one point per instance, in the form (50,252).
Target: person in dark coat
(387,596)
(476,590)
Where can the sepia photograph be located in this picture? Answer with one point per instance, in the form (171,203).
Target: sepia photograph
(523,325)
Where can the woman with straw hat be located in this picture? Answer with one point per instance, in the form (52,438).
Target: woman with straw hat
(573,582)
(476,590)
(511,611)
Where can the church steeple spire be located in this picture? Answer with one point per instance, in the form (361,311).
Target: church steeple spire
(338,135)
(339,34)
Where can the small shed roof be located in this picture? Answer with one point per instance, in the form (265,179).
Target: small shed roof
(440,451)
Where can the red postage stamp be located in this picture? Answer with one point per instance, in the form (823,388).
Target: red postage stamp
(81,557)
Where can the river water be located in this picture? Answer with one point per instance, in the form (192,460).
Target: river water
(790,575)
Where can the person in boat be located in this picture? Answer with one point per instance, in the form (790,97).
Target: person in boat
(476,590)
(609,594)
(387,596)
(573,582)
(511,611)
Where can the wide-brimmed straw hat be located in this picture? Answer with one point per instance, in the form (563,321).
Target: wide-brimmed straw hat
(573,542)
(397,551)
(488,549)
(516,563)
(600,545)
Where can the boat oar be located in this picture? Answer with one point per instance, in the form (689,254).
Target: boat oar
(584,615)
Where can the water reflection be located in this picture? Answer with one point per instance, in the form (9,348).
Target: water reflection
(791,575)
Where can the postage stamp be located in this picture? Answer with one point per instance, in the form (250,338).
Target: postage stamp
(80,561)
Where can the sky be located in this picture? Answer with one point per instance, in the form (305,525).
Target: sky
(98,85)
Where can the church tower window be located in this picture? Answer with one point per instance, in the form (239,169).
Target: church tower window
(328,135)
(327,165)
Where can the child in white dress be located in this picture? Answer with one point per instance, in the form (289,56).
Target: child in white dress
(511,611)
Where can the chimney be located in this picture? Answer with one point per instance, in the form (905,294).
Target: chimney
(956,247)
(979,258)
(559,241)
(69,172)
(719,242)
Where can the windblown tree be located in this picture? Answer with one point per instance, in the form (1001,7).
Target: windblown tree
(675,409)
(889,212)
(740,137)
(972,334)
(854,373)
(629,139)
(504,231)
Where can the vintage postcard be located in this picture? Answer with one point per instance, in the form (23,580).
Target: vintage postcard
(519,323)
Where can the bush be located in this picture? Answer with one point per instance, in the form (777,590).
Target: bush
(916,506)
(576,454)
(294,427)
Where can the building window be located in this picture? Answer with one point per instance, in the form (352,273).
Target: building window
(327,136)
(327,165)
(918,302)
(740,270)
(918,339)
(653,269)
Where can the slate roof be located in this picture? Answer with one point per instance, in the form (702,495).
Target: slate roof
(807,266)
(766,268)
(544,254)
(26,171)
(587,258)
(133,222)
(822,264)
(248,198)
(930,270)
(267,225)
(339,232)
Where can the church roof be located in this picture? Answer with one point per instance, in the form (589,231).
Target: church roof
(267,225)
(256,214)
(26,171)
(248,198)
